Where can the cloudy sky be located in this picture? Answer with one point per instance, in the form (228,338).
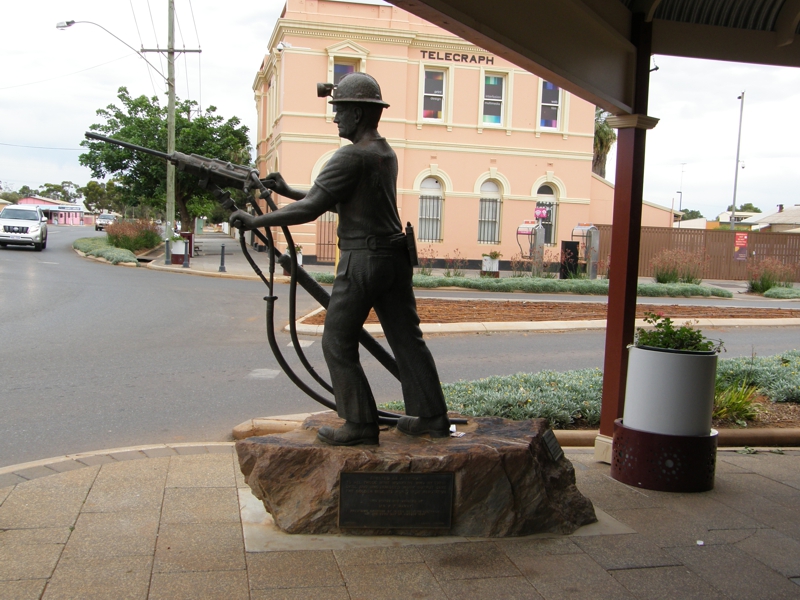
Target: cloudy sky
(53,82)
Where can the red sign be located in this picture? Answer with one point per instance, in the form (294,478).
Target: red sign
(740,246)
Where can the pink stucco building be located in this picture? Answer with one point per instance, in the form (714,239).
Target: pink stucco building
(58,212)
(481,143)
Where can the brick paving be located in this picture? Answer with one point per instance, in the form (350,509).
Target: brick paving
(165,522)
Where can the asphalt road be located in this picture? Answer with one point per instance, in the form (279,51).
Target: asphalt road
(94,356)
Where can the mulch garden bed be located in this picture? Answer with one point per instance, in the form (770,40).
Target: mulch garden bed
(435,310)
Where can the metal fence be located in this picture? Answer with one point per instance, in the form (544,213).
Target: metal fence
(717,244)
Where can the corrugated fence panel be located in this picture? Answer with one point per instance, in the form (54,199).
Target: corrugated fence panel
(718,245)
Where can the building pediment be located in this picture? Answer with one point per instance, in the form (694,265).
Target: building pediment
(347,47)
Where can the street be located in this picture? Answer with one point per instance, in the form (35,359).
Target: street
(95,356)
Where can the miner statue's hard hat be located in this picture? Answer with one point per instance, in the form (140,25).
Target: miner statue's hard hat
(358,87)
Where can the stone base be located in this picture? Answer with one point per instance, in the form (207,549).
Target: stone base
(506,483)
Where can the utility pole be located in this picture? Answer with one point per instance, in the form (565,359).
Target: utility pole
(736,173)
(170,115)
(170,220)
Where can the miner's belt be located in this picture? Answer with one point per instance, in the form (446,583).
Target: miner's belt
(374,242)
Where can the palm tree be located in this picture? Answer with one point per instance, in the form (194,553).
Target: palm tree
(604,138)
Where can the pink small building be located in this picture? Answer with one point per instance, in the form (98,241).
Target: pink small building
(58,212)
(481,143)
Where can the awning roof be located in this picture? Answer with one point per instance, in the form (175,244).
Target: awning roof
(584,45)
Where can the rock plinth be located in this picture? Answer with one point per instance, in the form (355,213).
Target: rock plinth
(506,483)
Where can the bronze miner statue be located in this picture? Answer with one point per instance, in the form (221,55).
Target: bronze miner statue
(359,183)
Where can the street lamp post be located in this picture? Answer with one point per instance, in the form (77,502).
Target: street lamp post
(736,172)
(680,204)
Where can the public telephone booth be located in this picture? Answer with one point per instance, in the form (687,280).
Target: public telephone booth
(530,239)
(588,238)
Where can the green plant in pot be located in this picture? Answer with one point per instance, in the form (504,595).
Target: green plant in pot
(671,378)
(665,335)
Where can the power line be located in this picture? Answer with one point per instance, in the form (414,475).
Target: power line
(153,23)
(141,45)
(42,147)
(185,60)
(65,74)
(199,64)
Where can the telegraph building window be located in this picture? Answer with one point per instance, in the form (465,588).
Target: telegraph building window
(551,105)
(340,69)
(433,95)
(493,90)
(430,211)
(545,211)
(489,214)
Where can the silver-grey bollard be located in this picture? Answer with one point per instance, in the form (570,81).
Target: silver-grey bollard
(186,254)
(167,253)
(222,259)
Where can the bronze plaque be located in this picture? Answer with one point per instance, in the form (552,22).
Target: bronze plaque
(396,500)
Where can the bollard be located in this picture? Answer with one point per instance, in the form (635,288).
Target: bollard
(186,255)
(222,259)
(167,253)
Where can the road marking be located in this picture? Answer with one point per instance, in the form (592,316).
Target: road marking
(263,374)
(44,262)
(303,343)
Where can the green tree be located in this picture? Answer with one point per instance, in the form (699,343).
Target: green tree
(746,207)
(604,138)
(141,178)
(691,214)
(65,191)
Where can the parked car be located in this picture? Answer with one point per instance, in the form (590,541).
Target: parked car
(104,221)
(23,225)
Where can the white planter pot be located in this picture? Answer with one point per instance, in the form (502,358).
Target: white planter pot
(670,392)
(490,264)
(178,247)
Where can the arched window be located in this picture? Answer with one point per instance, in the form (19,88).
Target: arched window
(489,214)
(546,211)
(430,210)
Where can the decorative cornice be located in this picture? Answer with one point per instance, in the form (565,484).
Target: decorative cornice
(632,122)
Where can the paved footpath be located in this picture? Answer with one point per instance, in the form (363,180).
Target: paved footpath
(177,522)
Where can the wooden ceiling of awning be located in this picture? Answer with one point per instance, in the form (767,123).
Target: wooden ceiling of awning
(584,45)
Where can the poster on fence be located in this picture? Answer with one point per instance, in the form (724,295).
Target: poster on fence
(740,246)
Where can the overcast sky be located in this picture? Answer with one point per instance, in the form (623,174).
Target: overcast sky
(53,82)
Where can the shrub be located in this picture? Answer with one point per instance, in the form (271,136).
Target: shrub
(99,247)
(780,293)
(768,273)
(565,397)
(454,266)
(679,266)
(665,335)
(776,377)
(133,235)
(735,403)
(520,265)
(426,257)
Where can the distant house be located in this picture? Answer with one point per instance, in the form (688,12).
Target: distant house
(740,218)
(4,203)
(783,221)
(58,212)
(701,223)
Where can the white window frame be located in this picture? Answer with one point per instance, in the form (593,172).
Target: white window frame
(551,200)
(431,212)
(560,107)
(488,223)
(507,76)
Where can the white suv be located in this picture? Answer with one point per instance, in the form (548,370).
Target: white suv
(23,225)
